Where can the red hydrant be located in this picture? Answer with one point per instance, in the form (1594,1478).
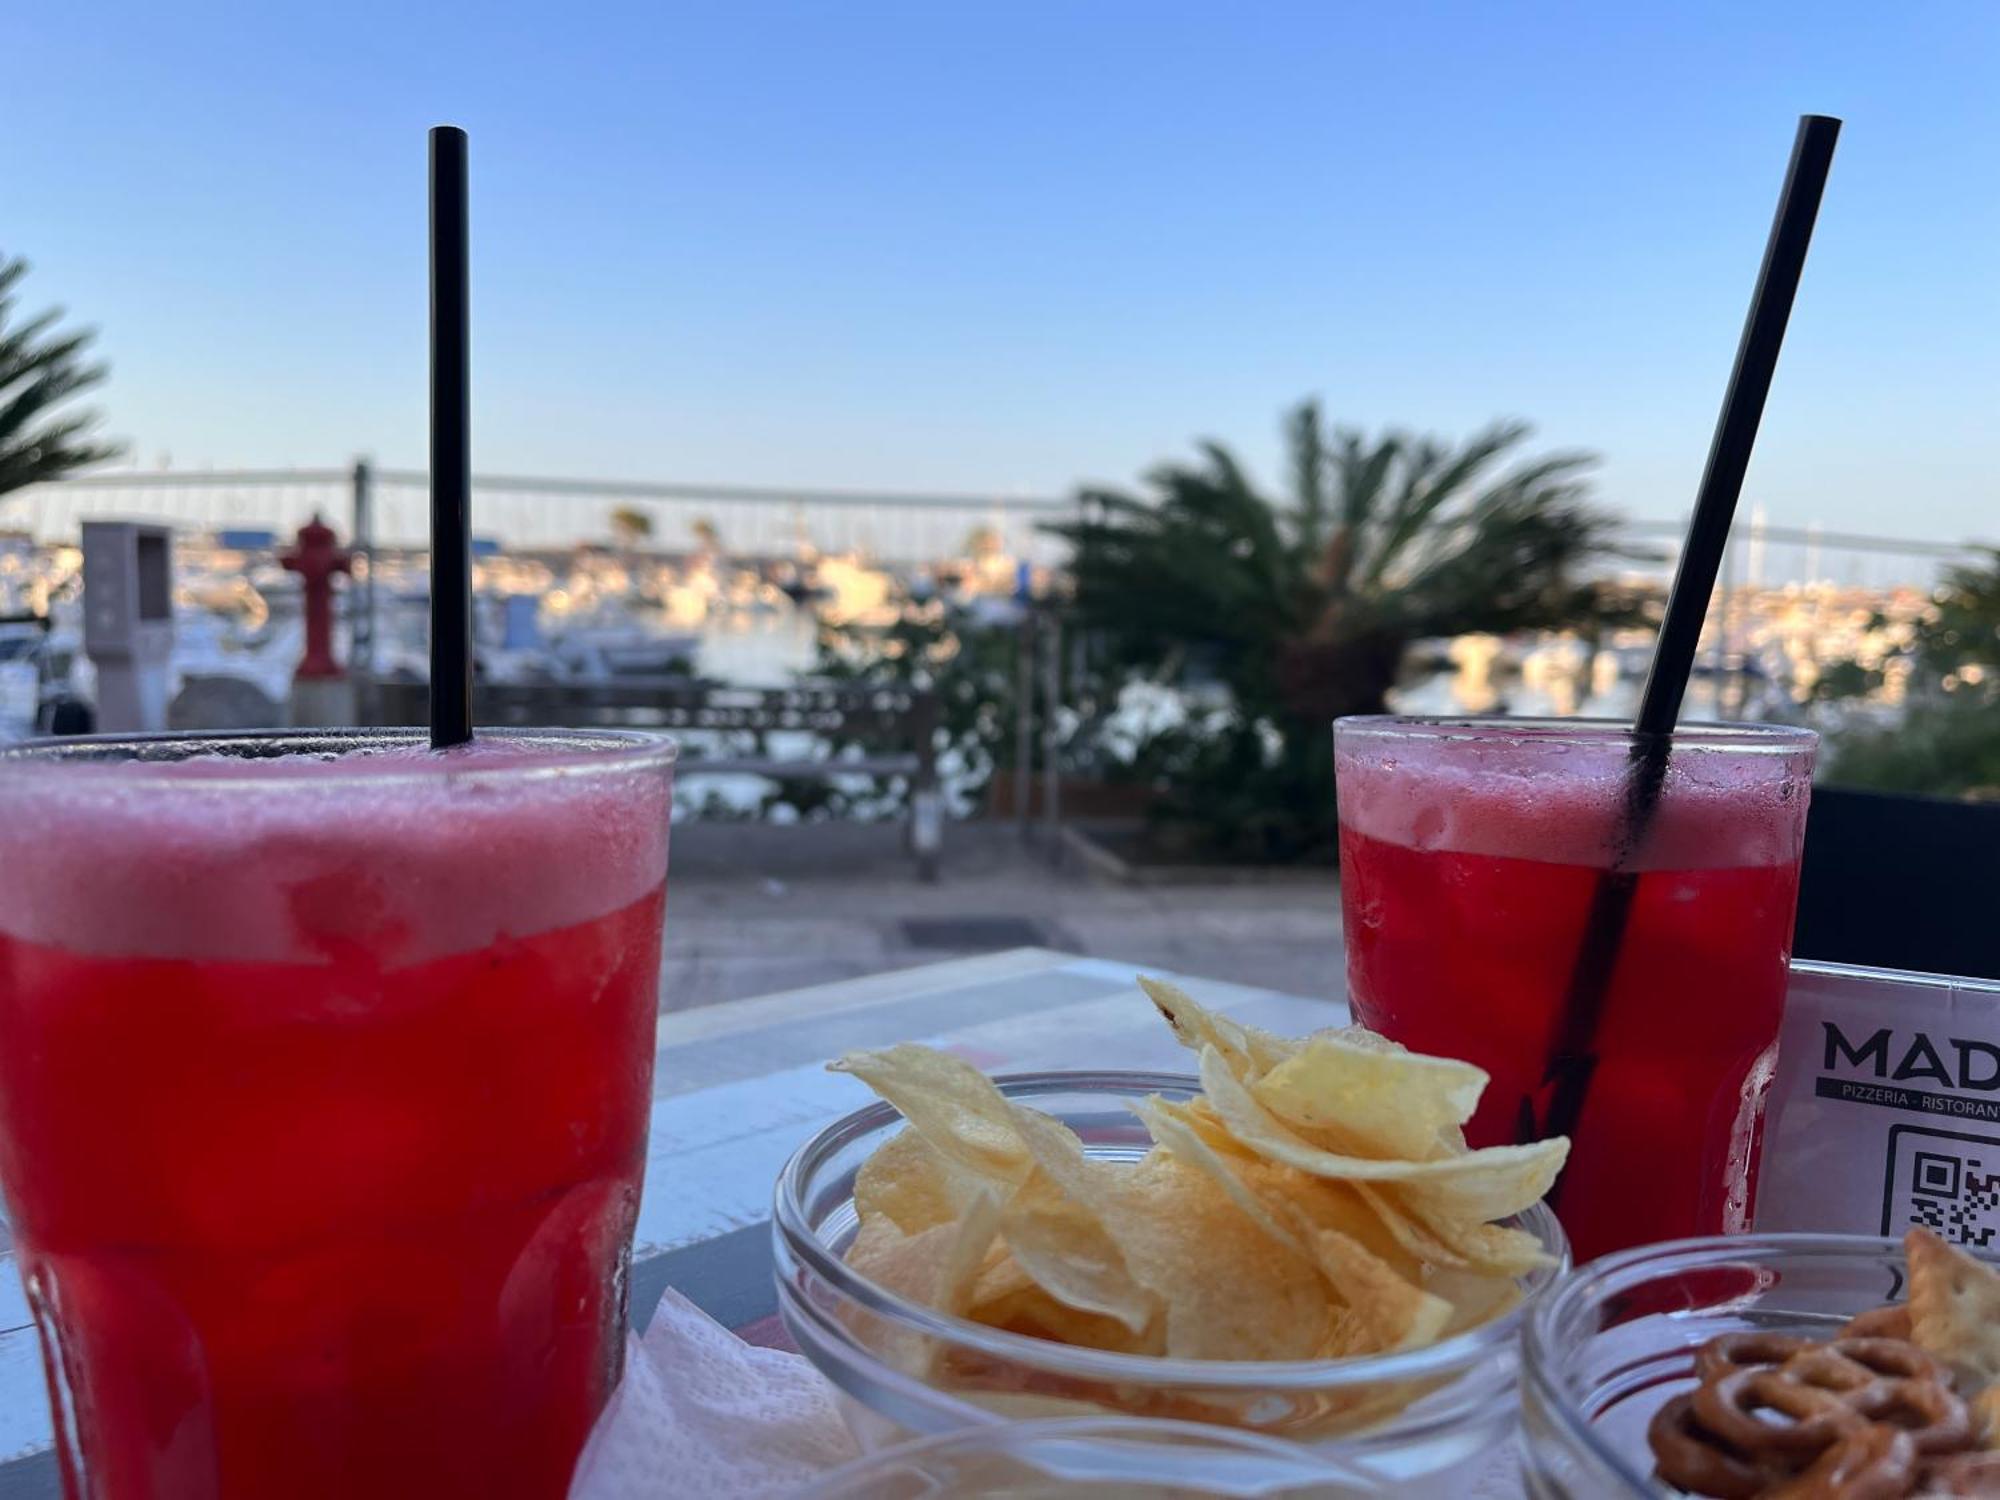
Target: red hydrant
(316,559)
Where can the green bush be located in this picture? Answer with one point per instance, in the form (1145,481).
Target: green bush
(1947,743)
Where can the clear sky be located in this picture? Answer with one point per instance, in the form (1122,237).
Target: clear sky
(1011,245)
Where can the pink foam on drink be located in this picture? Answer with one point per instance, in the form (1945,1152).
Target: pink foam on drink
(1562,801)
(404,853)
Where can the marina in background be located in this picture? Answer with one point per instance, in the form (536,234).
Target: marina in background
(582,581)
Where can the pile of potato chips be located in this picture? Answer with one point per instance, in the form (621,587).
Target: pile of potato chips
(1317,1201)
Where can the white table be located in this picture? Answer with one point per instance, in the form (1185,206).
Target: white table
(738,1087)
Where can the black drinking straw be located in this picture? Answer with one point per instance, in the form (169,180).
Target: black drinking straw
(451,446)
(1574,1058)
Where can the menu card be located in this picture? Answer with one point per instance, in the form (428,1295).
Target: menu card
(1885,1109)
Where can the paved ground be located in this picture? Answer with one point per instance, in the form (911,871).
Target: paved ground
(753,909)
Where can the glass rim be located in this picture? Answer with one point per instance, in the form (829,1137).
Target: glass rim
(1000,1438)
(1737,738)
(1445,1357)
(100,758)
(1541,1353)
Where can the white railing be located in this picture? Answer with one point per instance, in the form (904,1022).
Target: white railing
(389,507)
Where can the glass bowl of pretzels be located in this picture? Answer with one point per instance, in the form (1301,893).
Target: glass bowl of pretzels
(1767,1367)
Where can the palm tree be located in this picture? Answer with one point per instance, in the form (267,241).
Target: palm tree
(40,371)
(1305,608)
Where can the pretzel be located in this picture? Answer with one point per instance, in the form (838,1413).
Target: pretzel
(1733,1409)
(1781,1418)
(1690,1459)
(1828,1390)
(1851,1360)
(1870,1463)
(1735,1351)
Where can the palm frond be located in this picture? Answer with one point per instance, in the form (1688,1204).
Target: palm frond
(1364,471)
(1517,563)
(1304,608)
(1305,451)
(58,449)
(41,436)
(1433,478)
(1361,468)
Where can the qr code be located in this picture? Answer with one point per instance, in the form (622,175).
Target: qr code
(1945,1180)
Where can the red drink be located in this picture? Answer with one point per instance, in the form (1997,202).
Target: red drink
(1469,854)
(323,1104)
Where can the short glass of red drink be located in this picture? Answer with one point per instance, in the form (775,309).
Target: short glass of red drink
(325,1071)
(1470,850)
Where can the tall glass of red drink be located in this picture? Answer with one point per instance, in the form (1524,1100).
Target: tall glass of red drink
(325,1069)
(1469,852)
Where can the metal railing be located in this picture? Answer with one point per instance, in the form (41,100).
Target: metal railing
(388,508)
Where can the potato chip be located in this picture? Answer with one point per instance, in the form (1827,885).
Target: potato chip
(1290,1205)
(876,1250)
(1391,1312)
(1316,1201)
(1196,1120)
(1465,1245)
(1231,1292)
(1055,1152)
(1052,1223)
(1954,1308)
(1479,1185)
(1374,1041)
(1027,1309)
(1370,1100)
(1317,1205)
(1249,1052)
(1359,1036)
(912,1184)
(1168,1126)
(1000,1275)
(1201,1117)
(951,1104)
(937,1267)
(1063,1247)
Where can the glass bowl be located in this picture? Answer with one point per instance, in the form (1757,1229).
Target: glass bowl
(1616,1340)
(1430,1417)
(1122,1457)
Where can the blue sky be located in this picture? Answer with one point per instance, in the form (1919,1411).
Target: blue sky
(1008,247)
